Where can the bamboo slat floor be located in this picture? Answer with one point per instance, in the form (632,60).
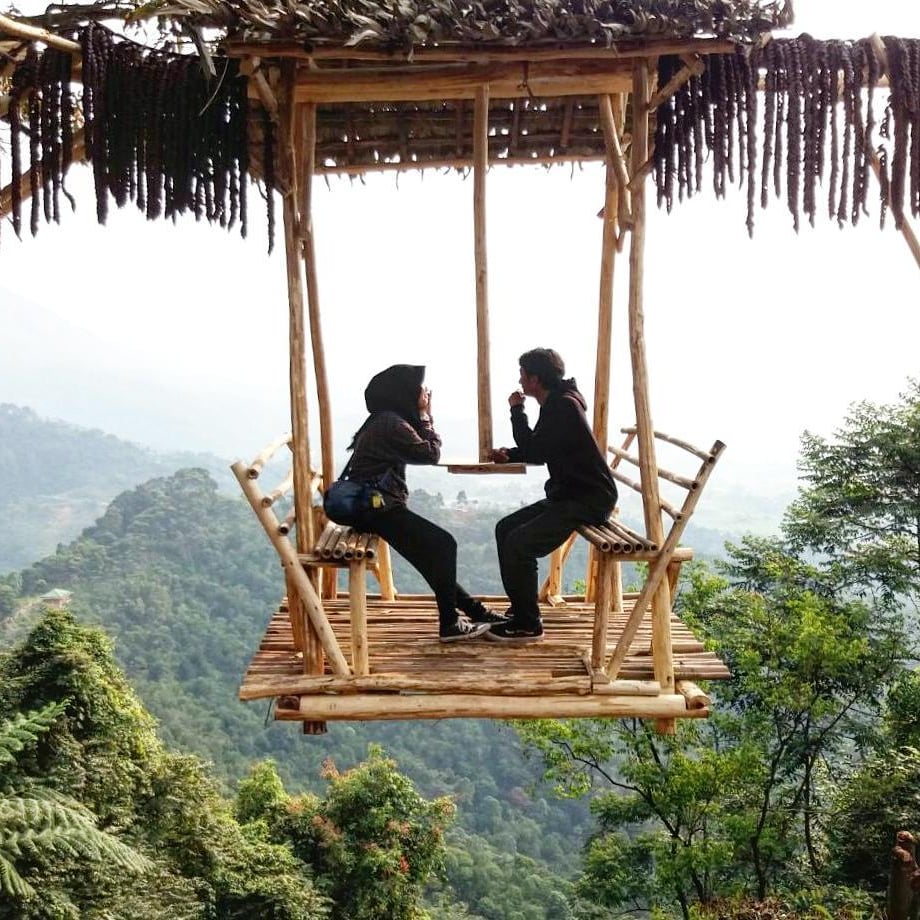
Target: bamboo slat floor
(406,659)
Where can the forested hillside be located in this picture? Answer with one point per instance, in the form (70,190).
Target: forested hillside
(183,580)
(58,478)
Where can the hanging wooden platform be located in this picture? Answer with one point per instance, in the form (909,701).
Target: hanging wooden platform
(414,676)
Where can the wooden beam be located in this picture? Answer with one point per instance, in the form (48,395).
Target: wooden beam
(624,52)
(33,34)
(460,81)
(480,166)
(468,706)
(692,68)
(360,169)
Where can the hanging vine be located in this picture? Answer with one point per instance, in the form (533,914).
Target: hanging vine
(818,110)
(156,130)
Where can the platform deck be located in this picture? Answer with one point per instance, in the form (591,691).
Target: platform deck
(413,675)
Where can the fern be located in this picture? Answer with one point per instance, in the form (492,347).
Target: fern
(38,822)
(25,728)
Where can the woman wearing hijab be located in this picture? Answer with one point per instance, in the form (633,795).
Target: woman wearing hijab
(399,430)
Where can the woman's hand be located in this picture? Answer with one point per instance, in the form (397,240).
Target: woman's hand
(516,399)
(500,455)
(424,402)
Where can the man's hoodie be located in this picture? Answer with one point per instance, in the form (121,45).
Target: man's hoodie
(562,439)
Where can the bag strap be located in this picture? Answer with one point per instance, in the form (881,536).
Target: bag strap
(347,467)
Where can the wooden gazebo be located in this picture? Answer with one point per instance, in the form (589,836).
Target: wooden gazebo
(649,88)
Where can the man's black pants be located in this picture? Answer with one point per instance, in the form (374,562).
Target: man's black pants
(526,535)
(427,547)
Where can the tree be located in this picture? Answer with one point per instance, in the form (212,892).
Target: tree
(373,842)
(860,505)
(734,804)
(39,825)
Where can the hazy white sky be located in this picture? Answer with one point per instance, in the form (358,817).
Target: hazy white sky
(748,341)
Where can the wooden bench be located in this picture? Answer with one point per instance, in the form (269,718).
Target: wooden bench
(613,542)
(342,547)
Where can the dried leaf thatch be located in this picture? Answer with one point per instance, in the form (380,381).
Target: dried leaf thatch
(407,24)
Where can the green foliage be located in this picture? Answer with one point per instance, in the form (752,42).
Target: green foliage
(183,580)
(40,827)
(879,799)
(735,805)
(860,505)
(89,798)
(373,840)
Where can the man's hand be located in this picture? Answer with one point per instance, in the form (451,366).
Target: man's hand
(500,455)
(516,399)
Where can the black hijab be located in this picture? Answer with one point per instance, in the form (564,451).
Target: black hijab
(394,390)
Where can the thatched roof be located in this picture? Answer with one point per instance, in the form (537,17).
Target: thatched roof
(161,133)
(413,24)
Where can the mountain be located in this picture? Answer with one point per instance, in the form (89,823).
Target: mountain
(60,477)
(184,581)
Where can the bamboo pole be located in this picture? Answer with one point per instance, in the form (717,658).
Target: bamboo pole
(294,570)
(661,606)
(913,244)
(455,162)
(383,570)
(469,706)
(33,34)
(601,611)
(307,163)
(481,164)
(551,590)
(357,606)
(303,499)
(692,68)
(298,384)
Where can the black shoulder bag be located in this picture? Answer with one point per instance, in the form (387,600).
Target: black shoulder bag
(346,500)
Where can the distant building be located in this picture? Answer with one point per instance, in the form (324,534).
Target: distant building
(57,597)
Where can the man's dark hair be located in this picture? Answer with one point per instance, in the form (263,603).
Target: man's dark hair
(544,364)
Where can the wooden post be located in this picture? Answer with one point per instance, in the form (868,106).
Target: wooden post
(605,565)
(614,184)
(480,166)
(298,387)
(357,607)
(303,493)
(648,466)
(307,166)
(383,569)
(293,570)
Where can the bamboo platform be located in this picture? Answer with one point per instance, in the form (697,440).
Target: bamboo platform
(414,676)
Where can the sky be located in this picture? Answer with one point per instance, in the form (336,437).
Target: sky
(176,335)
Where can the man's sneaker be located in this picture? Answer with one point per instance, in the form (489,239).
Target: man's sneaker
(462,629)
(482,614)
(515,634)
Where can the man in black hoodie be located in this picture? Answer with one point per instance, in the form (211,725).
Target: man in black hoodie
(580,488)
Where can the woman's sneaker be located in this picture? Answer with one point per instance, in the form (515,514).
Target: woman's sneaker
(515,634)
(482,614)
(462,629)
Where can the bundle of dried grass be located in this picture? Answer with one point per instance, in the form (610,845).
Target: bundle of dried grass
(818,122)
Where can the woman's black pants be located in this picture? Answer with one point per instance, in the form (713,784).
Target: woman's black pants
(427,547)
